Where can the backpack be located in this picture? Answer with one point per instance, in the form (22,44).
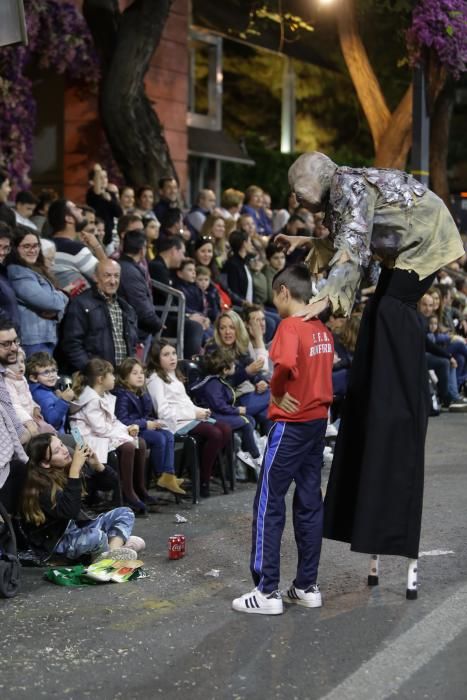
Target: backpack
(9,563)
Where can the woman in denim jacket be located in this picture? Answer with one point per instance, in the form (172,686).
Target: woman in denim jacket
(41,305)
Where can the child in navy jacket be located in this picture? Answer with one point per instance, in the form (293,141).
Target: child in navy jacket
(42,374)
(215,393)
(134,407)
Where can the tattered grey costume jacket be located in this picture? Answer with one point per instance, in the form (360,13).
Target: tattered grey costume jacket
(386,213)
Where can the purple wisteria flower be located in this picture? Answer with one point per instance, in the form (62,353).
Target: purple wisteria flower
(440,25)
(58,39)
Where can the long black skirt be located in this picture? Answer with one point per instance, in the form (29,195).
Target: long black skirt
(374,497)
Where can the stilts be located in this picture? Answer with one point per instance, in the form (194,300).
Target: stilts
(373,576)
(412,576)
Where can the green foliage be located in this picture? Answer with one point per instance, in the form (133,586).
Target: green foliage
(328,113)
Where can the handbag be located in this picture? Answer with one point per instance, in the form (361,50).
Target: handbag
(9,562)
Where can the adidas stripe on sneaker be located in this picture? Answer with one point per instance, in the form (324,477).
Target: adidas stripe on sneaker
(309,598)
(259,603)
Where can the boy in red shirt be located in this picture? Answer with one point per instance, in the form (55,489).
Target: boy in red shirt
(301,392)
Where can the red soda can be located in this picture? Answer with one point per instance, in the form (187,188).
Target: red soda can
(176,546)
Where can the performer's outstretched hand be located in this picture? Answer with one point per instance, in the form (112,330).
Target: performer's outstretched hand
(286,402)
(313,309)
(290,243)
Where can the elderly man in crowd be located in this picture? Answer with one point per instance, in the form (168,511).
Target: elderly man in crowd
(98,323)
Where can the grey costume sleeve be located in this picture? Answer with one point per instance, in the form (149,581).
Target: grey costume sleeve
(351,205)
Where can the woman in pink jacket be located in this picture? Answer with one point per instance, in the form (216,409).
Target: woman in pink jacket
(101,430)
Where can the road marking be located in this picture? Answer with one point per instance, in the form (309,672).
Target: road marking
(436,552)
(391,667)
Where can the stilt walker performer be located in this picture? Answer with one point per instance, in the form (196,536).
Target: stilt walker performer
(374,496)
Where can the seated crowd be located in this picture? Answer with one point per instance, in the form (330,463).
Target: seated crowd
(85,350)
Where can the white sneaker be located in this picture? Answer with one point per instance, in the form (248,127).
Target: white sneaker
(331,430)
(259,603)
(311,598)
(136,543)
(253,462)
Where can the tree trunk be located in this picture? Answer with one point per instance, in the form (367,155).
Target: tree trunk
(397,138)
(439,141)
(391,133)
(126,43)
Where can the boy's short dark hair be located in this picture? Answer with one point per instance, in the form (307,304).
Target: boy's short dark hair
(202,271)
(271,249)
(25,197)
(296,278)
(185,262)
(216,362)
(37,361)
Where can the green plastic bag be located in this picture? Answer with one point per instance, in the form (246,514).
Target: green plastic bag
(69,576)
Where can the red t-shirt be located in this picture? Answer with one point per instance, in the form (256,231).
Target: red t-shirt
(303,354)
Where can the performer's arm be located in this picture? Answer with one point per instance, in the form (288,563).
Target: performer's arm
(352,211)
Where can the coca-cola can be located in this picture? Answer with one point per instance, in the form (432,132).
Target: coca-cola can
(176,546)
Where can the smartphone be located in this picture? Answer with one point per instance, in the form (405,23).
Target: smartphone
(77,437)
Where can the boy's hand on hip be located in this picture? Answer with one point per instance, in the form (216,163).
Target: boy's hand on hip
(287,403)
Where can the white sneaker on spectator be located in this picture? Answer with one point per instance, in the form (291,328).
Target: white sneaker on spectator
(331,430)
(458,405)
(136,543)
(253,462)
(309,598)
(260,603)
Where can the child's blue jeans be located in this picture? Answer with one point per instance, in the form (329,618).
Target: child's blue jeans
(92,536)
(161,450)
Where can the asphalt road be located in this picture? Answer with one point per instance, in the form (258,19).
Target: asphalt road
(173,634)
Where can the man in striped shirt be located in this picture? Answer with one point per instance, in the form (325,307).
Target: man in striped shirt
(76,259)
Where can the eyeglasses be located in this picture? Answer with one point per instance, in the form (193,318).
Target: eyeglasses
(29,247)
(9,343)
(48,372)
(5,248)
(207,239)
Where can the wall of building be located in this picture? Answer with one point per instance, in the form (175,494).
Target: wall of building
(167,88)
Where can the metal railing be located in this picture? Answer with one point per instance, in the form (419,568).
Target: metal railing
(174,303)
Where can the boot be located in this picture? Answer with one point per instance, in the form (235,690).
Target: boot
(169,482)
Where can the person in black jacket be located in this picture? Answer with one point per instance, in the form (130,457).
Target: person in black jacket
(52,507)
(171,252)
(98,323)
(134,287)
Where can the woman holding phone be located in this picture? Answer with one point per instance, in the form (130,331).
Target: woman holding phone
(53,508)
